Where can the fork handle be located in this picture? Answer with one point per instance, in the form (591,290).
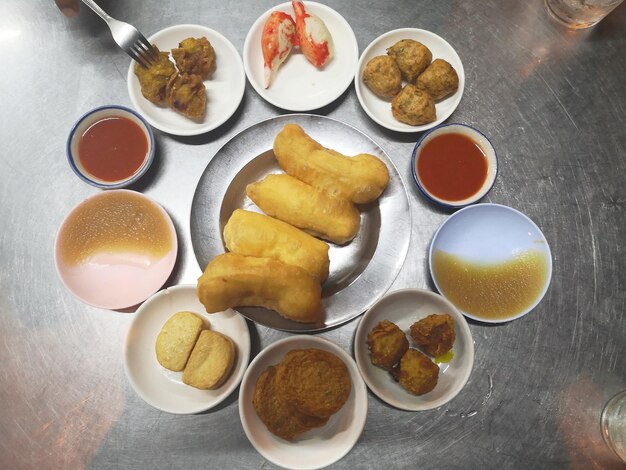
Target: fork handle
(99,11)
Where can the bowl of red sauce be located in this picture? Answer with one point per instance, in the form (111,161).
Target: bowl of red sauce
(110,147)
(454,165)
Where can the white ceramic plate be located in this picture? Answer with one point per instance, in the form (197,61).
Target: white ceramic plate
(298,85)
(224,89)
(405,307)
(379,109)
(316,448)
(163,388)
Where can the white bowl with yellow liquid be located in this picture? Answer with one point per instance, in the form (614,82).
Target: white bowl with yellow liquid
(491,262)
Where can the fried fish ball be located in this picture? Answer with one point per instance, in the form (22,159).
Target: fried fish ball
(195,56)
(416,372)
(414,107)
(186,94)
(387,344)
(211,361)
(382,75)
(313,381)
(176,340)
(154,79)
(233,280)
(360,179)
(438,80)
(411,56)
(279,417)
(434,334)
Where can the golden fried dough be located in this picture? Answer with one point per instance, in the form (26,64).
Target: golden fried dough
(360,179)
(186,94)
(233,280)
(315,382)
(252,234)
(434,334)
(413,106)
(299,204)
(382,75)
(416,372)
(176,340)
(387,344)
(438,80)
(154,79)
(210,362)
(411,56)
(195,56)
(278,416)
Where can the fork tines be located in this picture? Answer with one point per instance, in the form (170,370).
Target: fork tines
(143,52)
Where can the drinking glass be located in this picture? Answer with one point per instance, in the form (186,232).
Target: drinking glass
(579,14)
(613,424)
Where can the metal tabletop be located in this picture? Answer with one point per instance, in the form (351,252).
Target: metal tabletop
(551,100)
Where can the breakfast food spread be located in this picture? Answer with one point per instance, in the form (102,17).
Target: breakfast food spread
(210,362)
(176,340)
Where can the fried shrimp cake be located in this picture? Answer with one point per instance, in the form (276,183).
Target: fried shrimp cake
(413,106)
(154,79)
(314,382)
(382,75)
(279,417)
(387,344)
(416,372)
(186,94)
(195,56)
(411,56)
(439,80)
(434,334)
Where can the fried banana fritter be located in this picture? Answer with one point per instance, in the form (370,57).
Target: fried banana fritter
(186,94)
(154,79)
(416,372)
(434,334)
(195,57)
(387,344)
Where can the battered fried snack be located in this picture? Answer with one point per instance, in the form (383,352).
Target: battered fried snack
(303,206)
(411,56)
(233,280)
(195,56)
(360,179)
(382,75)
(211,361)
(438,80)
(434,334)
(154,79)
(278,416)
(416,372)
(414,107)
(314,382)
(176,340)
(186,94)
(252,234)
(387,344)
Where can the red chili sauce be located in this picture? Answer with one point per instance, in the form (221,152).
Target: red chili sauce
(113,148)
(452,167)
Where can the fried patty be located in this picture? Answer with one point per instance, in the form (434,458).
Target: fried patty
(434,334)
(416,373)
(153,80)
(387,344)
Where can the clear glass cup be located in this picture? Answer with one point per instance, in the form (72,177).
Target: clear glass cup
(613,424)
(579,14)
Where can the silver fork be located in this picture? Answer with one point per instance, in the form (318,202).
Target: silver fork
(127,37)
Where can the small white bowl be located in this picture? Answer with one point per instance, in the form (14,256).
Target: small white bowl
(480,139)
(85,122)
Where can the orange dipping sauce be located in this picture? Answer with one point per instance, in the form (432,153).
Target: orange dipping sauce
(452,167)
(112,149)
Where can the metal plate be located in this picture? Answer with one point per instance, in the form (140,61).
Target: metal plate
(361,271)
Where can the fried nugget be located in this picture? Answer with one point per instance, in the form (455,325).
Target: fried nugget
(313,381)
(195,56)
(434,334)
(233,280)
(176,340)
(186,94)
(303,206)
(382,75)
(416,372)
(279,417)
(360,179)
(211,361)
(438,80)
(154,79)
(411,56)
(387,344)
(413,106)
(252,234)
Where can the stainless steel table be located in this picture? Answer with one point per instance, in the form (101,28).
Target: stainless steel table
(553,103)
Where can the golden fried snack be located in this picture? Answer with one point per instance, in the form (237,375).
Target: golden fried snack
(176,340)
(382,75)
(434,334)
(278,416)
(303,206)
(387,344)
(360,179)
(438,80)
(195,57)
(315,382)
(252,234)
(186,94)
(416,372)
(233,280)
(413,106)
(211,361)
(411,56)
(154,79)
